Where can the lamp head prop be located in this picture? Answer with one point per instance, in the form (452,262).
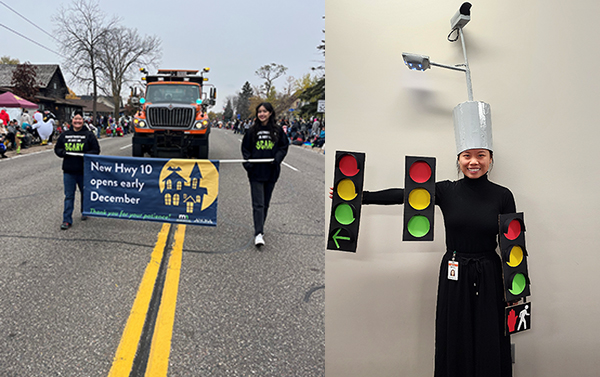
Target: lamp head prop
(416,62)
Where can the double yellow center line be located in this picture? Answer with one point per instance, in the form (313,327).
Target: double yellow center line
(153,312)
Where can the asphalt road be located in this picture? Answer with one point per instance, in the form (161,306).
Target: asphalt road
(66,296)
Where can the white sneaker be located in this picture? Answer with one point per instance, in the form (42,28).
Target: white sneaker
(258,240)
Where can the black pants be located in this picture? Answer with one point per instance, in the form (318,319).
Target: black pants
(469,339)
(261,197)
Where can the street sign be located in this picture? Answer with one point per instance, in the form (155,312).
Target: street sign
(321,106)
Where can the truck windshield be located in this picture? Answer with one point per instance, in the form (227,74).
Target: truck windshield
(175,93)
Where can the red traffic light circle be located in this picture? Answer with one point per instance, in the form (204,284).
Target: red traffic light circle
(514,230)
(420,171)
(348,165)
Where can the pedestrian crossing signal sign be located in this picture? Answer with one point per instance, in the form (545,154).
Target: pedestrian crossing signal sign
(346,202)
(517,319)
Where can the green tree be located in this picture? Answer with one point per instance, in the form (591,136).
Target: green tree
(228,111)
(8,60)
(212,116)
(310,97)
(24,81)
(243,103)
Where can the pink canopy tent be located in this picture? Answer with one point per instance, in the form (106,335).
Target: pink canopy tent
(10,100)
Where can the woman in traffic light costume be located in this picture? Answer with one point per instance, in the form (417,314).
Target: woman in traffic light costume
(263,140)
(469,338)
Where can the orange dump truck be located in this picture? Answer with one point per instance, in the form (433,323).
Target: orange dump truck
(172,120)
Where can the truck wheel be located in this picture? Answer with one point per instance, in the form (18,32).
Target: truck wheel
(137,151)
(203,152)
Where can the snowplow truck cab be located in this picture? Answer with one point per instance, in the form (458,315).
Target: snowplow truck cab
(172,119)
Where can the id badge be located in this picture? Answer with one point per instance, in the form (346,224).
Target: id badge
(452,270)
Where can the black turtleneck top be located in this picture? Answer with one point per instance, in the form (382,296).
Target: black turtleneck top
(470,208)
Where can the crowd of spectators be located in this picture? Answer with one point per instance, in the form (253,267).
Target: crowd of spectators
(17,134)
(300,132)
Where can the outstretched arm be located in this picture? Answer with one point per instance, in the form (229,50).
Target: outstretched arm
(383,197)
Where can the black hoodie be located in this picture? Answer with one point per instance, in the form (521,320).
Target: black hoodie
(82,141)
(264,147)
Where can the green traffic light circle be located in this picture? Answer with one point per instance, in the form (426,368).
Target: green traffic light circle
(518,284)
(344,214)
(418,226)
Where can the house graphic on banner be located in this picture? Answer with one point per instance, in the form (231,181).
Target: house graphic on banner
(185,192)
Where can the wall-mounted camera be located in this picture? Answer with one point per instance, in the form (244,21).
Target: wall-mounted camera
(462,17)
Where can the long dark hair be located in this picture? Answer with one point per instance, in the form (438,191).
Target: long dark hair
(271,125)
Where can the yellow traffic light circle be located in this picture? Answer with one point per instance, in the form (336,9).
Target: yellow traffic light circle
(515,257)
(346,189)
(419,199)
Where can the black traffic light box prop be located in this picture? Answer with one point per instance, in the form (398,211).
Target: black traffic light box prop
(419,198)
(514,256)
(347,199)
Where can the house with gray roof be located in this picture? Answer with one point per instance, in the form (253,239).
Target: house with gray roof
(52,89)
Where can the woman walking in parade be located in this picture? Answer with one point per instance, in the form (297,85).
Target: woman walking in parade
(264,140)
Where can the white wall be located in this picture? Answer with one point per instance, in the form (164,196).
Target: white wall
(536,64)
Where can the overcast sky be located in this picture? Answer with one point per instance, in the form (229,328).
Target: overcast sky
(232,37)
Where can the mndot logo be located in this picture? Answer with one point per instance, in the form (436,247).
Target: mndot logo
(346,203)
(514,256)
(419,198)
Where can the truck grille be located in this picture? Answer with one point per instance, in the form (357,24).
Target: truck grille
(174,117)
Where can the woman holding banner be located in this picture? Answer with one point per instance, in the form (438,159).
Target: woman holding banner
(71,146)
(264,140)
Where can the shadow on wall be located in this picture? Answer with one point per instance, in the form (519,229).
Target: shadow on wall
(424,100)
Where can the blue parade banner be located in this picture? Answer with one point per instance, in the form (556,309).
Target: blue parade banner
(151,189)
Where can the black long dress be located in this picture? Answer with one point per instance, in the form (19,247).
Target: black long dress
(469,339)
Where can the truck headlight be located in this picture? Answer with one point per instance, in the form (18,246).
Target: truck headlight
(202,124)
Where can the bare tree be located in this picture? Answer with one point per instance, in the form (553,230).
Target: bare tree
(270,73)
(122,52)
(81,29)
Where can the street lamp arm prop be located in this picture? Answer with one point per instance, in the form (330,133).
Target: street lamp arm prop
(452,67)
